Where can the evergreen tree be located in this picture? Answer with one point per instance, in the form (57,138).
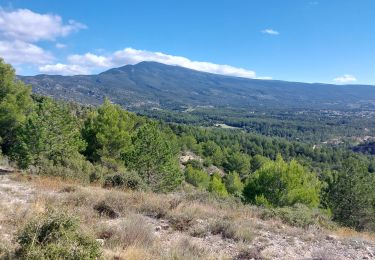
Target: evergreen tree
(238,162)
(155,158)
(352,196)
(51,132)
(107,132)
(15,105)
(234,184)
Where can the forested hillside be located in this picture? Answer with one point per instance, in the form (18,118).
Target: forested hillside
(114,148)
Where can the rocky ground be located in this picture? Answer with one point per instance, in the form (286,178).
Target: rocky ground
(270,239)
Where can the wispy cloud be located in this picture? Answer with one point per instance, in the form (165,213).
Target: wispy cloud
(60,45)
(270,31)
(92,62)
(345,79)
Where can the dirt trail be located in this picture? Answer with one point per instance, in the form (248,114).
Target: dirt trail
(15,200)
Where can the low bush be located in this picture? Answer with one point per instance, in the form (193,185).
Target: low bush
(71,168)
(105,210)
(299,216)
(231,230)
(56,236)
(127,180)
(186,250)
(133,231)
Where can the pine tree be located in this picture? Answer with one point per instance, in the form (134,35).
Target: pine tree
(234,184)
(155,158)
(107,132)
(51,132)
(15,105)
(352,196)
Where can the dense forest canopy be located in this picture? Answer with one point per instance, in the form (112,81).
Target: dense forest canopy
(267,167)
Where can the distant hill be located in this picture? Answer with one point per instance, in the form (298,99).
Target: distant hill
(153,84)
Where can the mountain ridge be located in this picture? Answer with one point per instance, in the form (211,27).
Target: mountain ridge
(153,84)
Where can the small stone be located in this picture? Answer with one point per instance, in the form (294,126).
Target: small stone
(157,228)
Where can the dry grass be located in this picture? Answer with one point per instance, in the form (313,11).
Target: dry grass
(238,231)
(132,231)
(184,249)
(131,236)
(130,253)
(45,182)
(348,233)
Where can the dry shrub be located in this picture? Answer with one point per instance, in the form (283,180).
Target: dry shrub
(324,254)
(105,210)
(232,230)
(153,205)
(199,230)
(83,198)
(132,231)
(68,189)
(344,232)
(55,236)
(187,250)
(118,200)
(185,216)
(249,253)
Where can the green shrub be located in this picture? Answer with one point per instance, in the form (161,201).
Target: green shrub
(127,180)
(299,216)
(217,186)
(56,236)
(280,184)
(195,164)
(71,168)
(196,177)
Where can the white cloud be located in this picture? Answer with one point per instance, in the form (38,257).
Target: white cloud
(19,52)
(270,32)
(93,63)
(63,69)
(345,79)
(90,60)
(60,45)
(25,25)
(22,29)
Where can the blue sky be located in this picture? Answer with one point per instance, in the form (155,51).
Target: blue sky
(330,41)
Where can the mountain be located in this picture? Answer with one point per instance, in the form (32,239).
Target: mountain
(154,84)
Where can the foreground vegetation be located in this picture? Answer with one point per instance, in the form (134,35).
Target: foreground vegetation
(72,221)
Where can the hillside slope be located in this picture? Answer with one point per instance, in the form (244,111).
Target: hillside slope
(153,84)
(189,228)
